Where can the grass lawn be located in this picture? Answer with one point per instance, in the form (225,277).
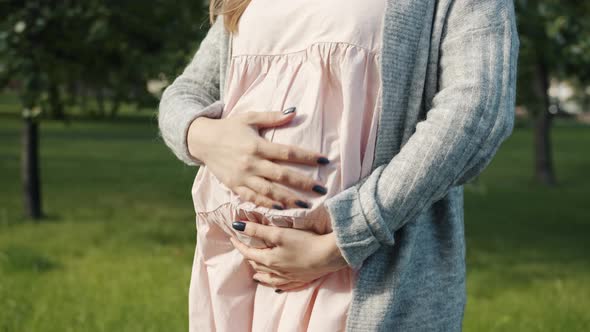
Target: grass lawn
(116,250)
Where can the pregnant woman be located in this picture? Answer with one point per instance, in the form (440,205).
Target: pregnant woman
(334,138)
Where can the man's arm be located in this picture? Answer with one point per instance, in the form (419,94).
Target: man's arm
(193,94)
(472,114)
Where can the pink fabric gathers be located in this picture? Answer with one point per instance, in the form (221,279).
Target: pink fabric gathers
(322,57)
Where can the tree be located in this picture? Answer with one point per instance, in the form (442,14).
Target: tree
(63,52)
(555,43)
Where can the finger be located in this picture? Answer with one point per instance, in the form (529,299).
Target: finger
(290,153)
(271,280)
(250,195)
(267,119)
(260,185)
(261,268)
(270,234)
(286,176)
(264,187)
(255,254)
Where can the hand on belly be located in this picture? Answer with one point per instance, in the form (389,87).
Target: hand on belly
(293,259)
(242,160)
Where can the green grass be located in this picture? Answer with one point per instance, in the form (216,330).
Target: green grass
(527,246)
(116,250)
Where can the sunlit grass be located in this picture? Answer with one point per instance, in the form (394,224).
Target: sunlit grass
(116,248)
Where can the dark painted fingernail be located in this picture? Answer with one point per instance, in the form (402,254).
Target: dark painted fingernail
(320,189)
(301,204)
(278,290)
(277,207)
(323,160)
(289,110)
(239,226)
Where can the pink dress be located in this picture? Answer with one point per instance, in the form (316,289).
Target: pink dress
(322,57)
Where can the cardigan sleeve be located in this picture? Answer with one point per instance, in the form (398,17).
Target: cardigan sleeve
(193,94)
(471,115)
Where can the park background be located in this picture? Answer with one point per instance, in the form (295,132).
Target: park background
(97,226)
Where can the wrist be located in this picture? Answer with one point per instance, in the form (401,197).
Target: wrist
(334,256)
(195,138)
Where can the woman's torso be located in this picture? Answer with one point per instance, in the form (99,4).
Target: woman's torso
(323,57)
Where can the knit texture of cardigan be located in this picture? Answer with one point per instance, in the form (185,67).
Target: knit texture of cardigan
(448,81)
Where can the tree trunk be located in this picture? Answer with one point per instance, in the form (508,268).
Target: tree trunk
(100,102)
(544,171)
(115,106)
(30,169)
(56,103)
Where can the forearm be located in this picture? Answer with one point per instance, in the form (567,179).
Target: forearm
(471,116)
(175,121)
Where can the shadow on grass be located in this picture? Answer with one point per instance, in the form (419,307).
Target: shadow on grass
(24,259)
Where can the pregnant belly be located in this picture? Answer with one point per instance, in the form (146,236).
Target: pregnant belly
(331,119)
(214,202)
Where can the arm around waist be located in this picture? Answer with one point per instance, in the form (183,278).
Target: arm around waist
(194,93)
(472,114)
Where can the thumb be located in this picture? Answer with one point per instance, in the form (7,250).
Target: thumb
(270,119)
(269,234)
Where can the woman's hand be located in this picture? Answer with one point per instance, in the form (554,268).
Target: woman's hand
(240,158)
(295,257)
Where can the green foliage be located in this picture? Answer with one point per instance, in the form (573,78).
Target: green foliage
(64,52)
(556,35)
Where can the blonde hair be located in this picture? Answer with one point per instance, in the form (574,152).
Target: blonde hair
(231,9)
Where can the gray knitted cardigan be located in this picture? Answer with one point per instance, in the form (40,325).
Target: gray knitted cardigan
(448,76)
